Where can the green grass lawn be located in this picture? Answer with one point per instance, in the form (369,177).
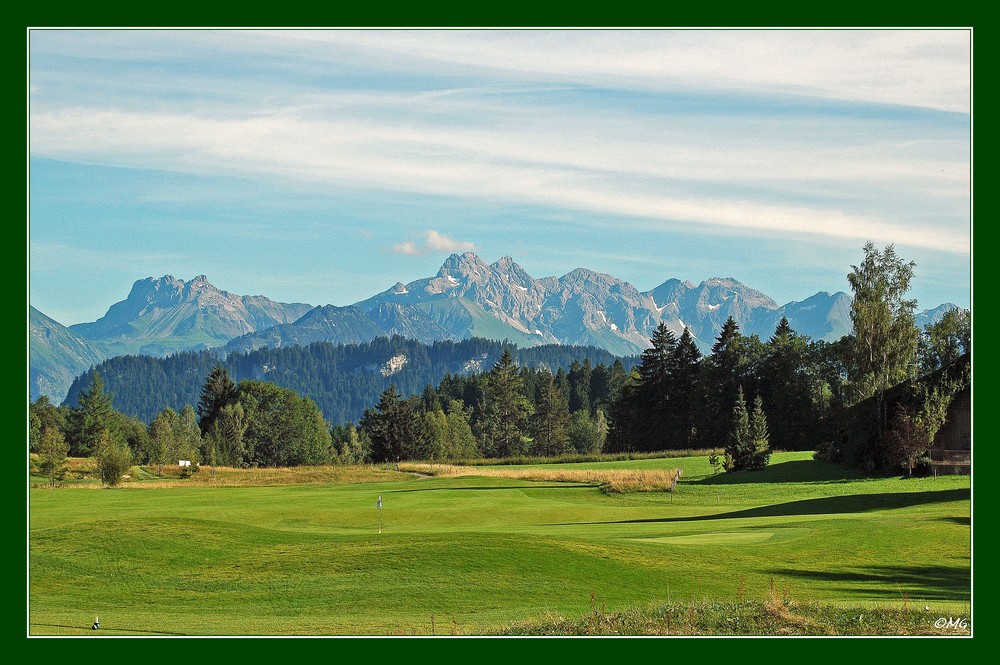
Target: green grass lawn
(475,555)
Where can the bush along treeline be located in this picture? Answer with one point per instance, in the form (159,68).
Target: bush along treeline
(343,380)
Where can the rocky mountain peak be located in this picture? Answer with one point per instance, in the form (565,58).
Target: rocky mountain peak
(503,263)
(724,289)
(168,290)
(507,270)
(584,279)
(462,265)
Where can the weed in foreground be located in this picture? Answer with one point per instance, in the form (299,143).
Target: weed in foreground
(776,615)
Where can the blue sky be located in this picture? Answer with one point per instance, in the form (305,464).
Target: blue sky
(324,166)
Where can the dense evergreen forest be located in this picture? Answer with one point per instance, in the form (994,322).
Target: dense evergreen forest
(343,380)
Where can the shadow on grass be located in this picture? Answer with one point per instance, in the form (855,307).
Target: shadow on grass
(796,471)
(855,503)
(930,582)
(964,521)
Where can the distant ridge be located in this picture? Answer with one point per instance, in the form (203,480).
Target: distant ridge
(466,298)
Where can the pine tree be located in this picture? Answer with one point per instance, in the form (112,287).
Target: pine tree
(624,414)
(783,378)
(217,392)
(430,399)
(580,376)
(655,366)
(93,418)
(507,408)
(550,420)
(729,335)
(653,428)
(616,380)
(586,433)
(759,449)
(389,426)
(224,442)
(740,435)
(682,389)
(723,374)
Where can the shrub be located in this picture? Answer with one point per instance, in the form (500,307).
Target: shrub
(114,459)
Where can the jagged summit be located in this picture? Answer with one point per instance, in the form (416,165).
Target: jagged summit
(462,264)
(466,298)
(163,315)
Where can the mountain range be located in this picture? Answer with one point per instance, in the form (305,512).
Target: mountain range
(466,298)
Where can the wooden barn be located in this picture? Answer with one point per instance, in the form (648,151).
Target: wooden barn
(952,451)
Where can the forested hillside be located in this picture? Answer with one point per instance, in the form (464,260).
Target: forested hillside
(343,380)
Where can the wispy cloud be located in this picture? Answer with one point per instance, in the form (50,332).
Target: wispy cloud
(927,68)
(830,137)
(713,175)
(433,242)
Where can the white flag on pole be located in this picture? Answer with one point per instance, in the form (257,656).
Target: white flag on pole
(380,502)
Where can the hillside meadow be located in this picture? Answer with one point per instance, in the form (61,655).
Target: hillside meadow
(802,547)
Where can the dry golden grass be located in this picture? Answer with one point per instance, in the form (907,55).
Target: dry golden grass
(84,471)
(299,475)
(781,606)
(82,465)
(610,480)
(146,477)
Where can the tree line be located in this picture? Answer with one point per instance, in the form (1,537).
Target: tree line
(253,423)
(508,411)
(744,399)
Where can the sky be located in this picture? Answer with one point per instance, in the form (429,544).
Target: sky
(323,166)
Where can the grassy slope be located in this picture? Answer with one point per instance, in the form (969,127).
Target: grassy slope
(481,553)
